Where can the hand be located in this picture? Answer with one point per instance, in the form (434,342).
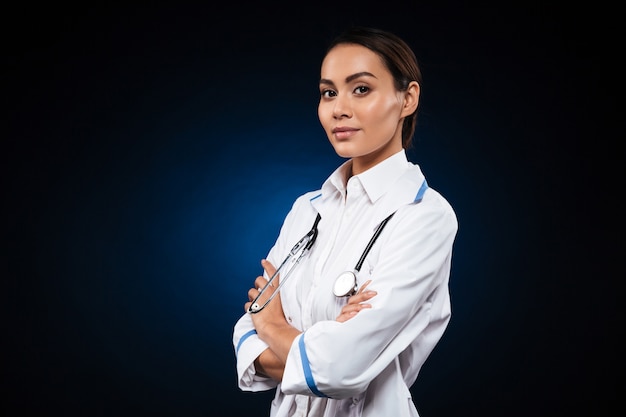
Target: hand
(271,325)
(356,303)
(272,313)
(259,286)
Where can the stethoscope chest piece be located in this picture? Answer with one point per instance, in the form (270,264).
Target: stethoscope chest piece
(345,284)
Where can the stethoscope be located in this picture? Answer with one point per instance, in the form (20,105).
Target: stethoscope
(345,284)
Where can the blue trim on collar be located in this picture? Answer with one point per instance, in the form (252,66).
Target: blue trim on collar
(308,375)
(317,196)
(244,337)
(420,192)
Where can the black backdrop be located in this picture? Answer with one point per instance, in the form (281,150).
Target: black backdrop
(152,152)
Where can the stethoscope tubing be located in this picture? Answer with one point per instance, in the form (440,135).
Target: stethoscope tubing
(307,242)
(304,245)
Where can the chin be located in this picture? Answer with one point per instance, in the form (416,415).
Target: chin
(344,150)
(344,154)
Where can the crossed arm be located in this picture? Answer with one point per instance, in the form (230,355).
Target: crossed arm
(273,328)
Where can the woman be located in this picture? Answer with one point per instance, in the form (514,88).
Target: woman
(358,354)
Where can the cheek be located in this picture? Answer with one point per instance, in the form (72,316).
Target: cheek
(380,113)
(322,115)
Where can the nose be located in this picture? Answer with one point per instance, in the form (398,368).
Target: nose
(342,107)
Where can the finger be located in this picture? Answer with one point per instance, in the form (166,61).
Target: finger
(270,270)
(365,284)
(260,282)
(361,297)
(252,293)
(350,310)
(345,317)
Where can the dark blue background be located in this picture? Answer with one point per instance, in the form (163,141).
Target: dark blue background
(150,155)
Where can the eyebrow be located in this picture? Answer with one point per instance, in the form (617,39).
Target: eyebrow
(349,78)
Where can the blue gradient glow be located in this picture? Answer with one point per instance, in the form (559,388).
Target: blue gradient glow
(152,153)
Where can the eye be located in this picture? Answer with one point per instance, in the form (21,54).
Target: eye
(328,93)
(361,90)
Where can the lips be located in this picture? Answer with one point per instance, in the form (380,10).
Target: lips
(343,132)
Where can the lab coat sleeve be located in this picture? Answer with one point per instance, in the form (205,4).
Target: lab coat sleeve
(248,346)
(409,313)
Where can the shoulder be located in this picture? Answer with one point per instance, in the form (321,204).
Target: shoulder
(303,207)
(433,211)
(305,201)
(435,201)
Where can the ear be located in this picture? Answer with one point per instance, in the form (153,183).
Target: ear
(411,99)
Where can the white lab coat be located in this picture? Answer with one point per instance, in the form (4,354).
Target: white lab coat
(365,366)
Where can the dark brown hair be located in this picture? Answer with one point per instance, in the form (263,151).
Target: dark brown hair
(397,56)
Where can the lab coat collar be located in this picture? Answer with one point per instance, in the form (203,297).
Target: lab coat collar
(395,176)
(376,180)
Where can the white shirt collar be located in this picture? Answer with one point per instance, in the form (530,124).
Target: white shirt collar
(375,181)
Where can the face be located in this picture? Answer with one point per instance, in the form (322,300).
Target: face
(360,109)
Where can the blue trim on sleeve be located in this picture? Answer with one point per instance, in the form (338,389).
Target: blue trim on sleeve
(420,193)
(317,196)
(244,337)
(308,375)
